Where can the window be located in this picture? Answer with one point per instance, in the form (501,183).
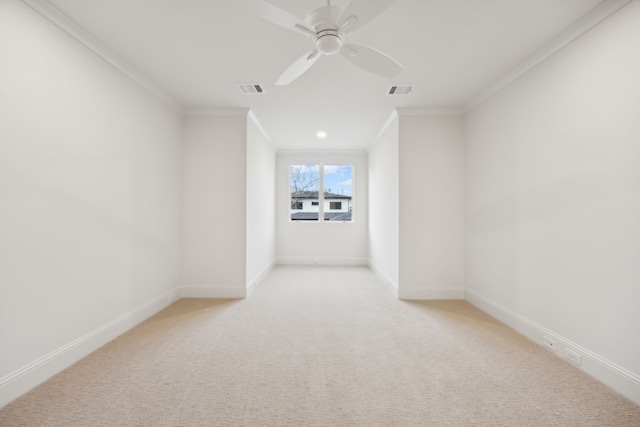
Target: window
(335,203)
(338,194)
(304,182)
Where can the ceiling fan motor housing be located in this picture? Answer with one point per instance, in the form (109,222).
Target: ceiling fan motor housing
(323,20)
(328,28)
(329,42)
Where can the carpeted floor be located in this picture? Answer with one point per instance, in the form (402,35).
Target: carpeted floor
(321,346)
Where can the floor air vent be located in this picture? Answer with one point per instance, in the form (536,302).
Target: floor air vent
(400,90)
(250,88)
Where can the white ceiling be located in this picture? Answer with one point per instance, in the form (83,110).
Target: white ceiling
(198,50)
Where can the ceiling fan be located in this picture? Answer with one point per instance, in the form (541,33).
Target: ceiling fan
(329,27)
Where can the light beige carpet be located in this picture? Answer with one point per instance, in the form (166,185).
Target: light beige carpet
(321,346)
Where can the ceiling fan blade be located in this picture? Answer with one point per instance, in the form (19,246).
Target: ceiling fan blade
(277,16)
(298,68)
(371,60)
(359,12)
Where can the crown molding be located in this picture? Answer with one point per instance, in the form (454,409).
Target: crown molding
(254,119)
(589,21)
(434,112)
(216,112)
(327,151)
(393,118)
(321,261)
(586,23)
(66,24)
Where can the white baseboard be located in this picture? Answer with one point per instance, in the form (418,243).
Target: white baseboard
(429,292)
(321,261)
(618,378)
(29,376)
(389,282)
(251,284)
(213,291)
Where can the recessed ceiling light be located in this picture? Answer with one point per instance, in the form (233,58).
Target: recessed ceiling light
(321,134)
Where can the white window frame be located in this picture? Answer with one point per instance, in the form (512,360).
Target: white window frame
(321,210)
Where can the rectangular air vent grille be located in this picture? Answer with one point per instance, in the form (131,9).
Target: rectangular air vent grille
(400,90)
(250,88)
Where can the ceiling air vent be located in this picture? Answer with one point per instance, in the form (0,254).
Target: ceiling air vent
(400,90)
(250,88)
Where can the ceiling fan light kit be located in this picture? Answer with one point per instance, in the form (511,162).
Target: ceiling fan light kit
(329,42)
(327,27)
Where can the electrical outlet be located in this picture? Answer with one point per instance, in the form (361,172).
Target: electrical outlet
(574,357)
(549,343)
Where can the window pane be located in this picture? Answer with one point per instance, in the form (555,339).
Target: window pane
(338,205)
(304,184)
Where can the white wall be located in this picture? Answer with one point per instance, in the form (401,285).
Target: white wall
(553,202)
(315,242)
(214,202)
(384,204)
(89,201)
(431,182)
(261,204)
